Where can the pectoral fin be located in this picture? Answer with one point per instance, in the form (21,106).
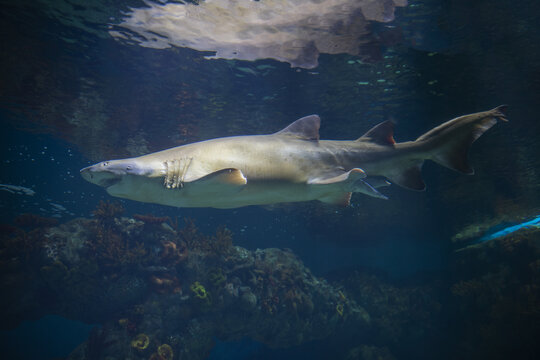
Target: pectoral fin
(230,177)
(218,182)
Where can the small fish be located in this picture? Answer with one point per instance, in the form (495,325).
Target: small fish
(289,166)
(16,189)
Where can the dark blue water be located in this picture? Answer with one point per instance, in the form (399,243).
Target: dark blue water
(71,95)
(49,338)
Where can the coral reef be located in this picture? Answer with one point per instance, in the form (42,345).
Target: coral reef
(165,352)
(150,219)
(111,243)
(107,211)
(174,252)
(165,283)
(403,314)
(199,291)
(109,269)
(112,249)
(140,342)
(495,302)
(169,292)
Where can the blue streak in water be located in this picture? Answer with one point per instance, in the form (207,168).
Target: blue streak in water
(532,223)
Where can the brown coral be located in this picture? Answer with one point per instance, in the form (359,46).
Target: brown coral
(151,219)
(109,247)
(189,233)
(106,211)
(221,242)
(174,253)
(166,284)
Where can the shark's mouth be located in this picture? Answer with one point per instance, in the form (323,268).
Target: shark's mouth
(100,178)
(109,182)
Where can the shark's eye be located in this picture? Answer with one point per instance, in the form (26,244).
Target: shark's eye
(105,163)
(128,167)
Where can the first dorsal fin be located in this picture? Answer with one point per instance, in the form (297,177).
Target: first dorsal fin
(306,128)
(382,134)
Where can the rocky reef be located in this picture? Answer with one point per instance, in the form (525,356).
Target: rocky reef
(162,289)
(495,297)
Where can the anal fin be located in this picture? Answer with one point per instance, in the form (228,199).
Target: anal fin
(345,184)
(364,187)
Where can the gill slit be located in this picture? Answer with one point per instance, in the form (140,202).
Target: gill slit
(175,172)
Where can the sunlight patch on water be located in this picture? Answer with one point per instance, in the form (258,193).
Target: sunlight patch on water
(293,31)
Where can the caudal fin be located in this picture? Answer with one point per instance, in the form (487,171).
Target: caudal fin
(449,143)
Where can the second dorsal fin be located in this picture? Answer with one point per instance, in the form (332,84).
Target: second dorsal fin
(306,128)
(382,134)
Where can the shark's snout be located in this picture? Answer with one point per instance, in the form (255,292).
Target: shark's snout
(87,174)
(96,174)
(107,173)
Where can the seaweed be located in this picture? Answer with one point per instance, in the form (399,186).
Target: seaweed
(107,211)
(218,244)
(107,244)
(109,247)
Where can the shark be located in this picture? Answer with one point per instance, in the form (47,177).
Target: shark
(291,165)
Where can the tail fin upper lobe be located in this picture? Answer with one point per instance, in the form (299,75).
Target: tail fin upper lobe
(447,145)
(450,142)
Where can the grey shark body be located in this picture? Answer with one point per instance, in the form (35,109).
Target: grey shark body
(289,166)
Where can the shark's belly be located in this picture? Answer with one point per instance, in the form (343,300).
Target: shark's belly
(195,195)
(254,193)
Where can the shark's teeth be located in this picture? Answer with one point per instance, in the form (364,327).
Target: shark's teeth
(175,172)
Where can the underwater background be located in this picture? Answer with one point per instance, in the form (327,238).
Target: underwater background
(449,273)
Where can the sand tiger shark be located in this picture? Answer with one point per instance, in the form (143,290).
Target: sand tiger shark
(290,165)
